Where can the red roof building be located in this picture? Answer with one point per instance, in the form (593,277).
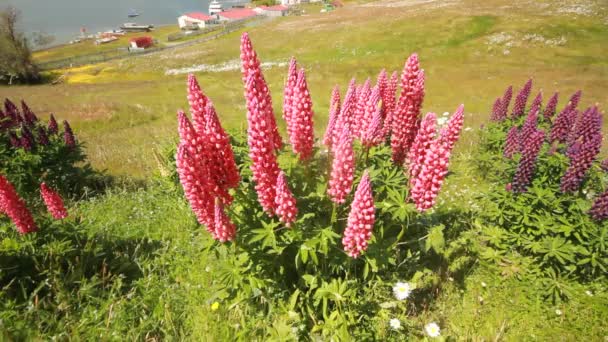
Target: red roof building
(272,11)
(237,14)
(194,19)
(141,42)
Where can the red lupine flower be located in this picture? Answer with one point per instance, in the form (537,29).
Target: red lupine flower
(261,149)
(346,112)
(361,219)
(194,177)
(521,100)
(342,169)
(198,102)
(288,94)
(222,155)
(359,116)
(302,135)
(15,208)
(505,101)
(43,138)
(426,134)
(334,111)
(388,102)
(550,108)
(527,163)
(406,116)
(451,132)
(512,143)
(68,135)
(496,111)
(575,98)
(599,210)
(427,184)
(53,127)
(285,202)
(28,116)
(53,202)
(563,124)
(536,103)
(581,159)
(224,230)
(251,66)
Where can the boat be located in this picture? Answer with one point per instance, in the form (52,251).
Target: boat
(133,14)
(105,40)
(215,7)
(133,27)
(114,33)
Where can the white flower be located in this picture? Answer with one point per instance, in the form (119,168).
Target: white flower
(402,290)
(483,284)
(467,129)
(432,329)
(446,113)
(589,293)
(441,121)
(395,324)
(558,312)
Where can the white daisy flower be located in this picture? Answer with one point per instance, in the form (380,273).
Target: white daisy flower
(395,324)
(589,293)
(432,329)
(558,312)
(402,290)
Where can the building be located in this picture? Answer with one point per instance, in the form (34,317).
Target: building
(237,14)
(194,19)
(272,11)
(141,42)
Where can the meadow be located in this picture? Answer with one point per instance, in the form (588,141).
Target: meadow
(136,264)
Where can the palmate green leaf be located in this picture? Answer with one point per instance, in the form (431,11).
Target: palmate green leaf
(435,239)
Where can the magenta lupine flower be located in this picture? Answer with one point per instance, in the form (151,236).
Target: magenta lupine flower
(53,202)
(27,140)
(261,150)
(285,202)
(427,184)
(361,219)
(194,177)
(406,116)
(14,140)
(527,163)
(53,127)
(334,111)
(451,132)
(346,112)
(496,111)
(198,102)
(288,93)
(575,98)
(68,135)
(227,172)
(563,124)
(426,134)
(358,123)
(251,66)
(15,208)
(587,125)
(11,110)
(536,103)
(28,116)
(388,102)
(581,160)
(512,143)
(599,209)
(342,169)
(302,135)
(43,138)
(505,101)
(223,229)
(550,108)
(529,127)
(521,100)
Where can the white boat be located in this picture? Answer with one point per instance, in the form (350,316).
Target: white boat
(105,40)
(133,27)
(215,7)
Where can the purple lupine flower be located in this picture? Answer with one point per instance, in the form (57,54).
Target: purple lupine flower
(27,138)
(581,159)
(12,112)
(53,128)
(550,108)
(4,120)
(28,116)
(528,128)
(604,164)
(68,135)
(496,111)
(575,98)
(536,103)
(43,138)
(511,143)
(527,163)
(588,124)
(599,209)
(14,140)
(504,102)
(521,100)
(563,124)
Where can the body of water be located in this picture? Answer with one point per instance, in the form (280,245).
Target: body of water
(64,18)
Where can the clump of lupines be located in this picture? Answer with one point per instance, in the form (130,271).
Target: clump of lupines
(53,202)
(563,124)
(451,132)
(360,219)
(285,203)
(581,159)
(302,132)
(521,100)
(15,208)
(550,108)
(68,135)
(343,168)
(388,103)
(424,138)
(512,143)
(334,111)
(599,209)
(53,128)
(405,121)
(223,229)
(527,163)
(505,101)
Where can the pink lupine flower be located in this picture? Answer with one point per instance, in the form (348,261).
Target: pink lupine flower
(529,127)
(504,103)
(361,219)
(194,177)
(427,184)
(53,127)
(527,163)
(536,103)
(550,108)
(521,100)
(575,98)
(373,134)
(496,111)
(581,159)
(406,116)
(382,84)
(388,103)
(358,120)
(342,169)
(599,210)
(198,102)
(451,132)
(222,155)
(369,111)
(28,116)
(223,229)
(512,143)
(288,93)
(334,111)
(261,150)
(251,67)
(424,138)
(563,124)
(302,135)
(346,112)
(68,135)
(15,208)
(53,202)
(285,202)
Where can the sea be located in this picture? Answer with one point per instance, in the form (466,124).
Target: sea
(64,19)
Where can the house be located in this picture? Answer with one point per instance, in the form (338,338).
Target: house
(272,11)
(194,19)
(141,42)
(236,14)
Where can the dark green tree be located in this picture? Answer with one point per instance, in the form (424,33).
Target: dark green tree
(15,54)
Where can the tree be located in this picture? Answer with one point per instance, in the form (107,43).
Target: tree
(15,53)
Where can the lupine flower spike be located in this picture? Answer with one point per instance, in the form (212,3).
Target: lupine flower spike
(227,173)
(388,102)
(28,116)
(285,202)
(426,186)
(14,207)
(198,102)
(576,97)
(68,135)
(505,101)
(334,111)
(302,134)
(346,112)
(521,100)
(361,219)
(223,230)
(581,160)
(496,111)
(512,143)
(451,132)
(197,185)
(358,120)
(527,163)
(53,127)
(599,210)
(425,136)
(563,124)
(43,138)
(536,103)
(550,108)
(343,168)
(288,93)
(53,202)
